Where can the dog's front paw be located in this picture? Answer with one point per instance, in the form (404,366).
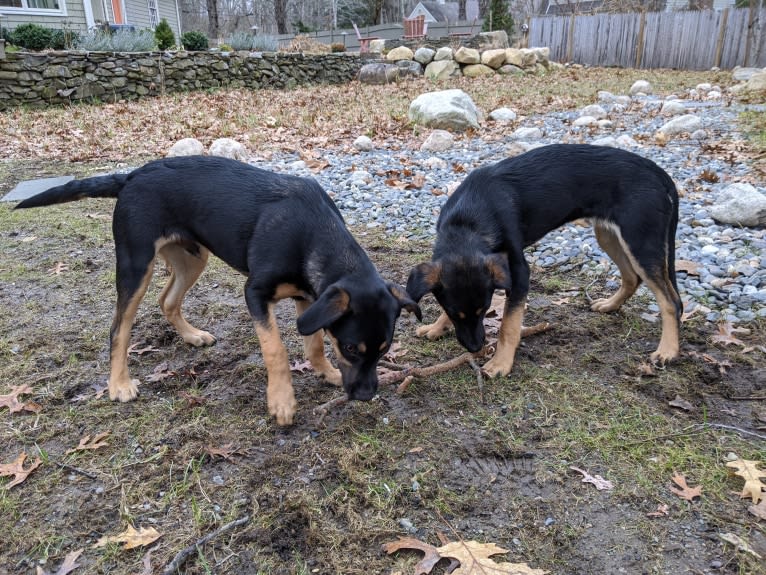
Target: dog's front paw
(497,367)
(432,331)
(125,390)
(332,376)
(605,305)
(199,338)
(283,407)
(663,356)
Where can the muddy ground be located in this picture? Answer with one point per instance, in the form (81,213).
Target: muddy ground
(445,457)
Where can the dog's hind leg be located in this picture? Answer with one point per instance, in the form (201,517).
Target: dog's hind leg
(185,269)
(133,276)
(313,346)
(609,240)
(437,329)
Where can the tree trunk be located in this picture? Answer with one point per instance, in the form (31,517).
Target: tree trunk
(212,17)
(280,15)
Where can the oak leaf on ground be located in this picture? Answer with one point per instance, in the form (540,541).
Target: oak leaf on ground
(69,564)
(758,510)
(739,543)
(91,443)
(685,492)
(749,471)
(474,557)
(11,400)
(132,537)
(726,334)
(16,468)
(597,480)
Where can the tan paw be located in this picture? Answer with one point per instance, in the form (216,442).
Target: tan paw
(663,356)
(604,305)
(199,338)
(126,390)
(497,367)
(332,376)
(283,408)
(432,331)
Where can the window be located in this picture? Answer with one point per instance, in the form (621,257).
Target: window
(39,6)
(154,16)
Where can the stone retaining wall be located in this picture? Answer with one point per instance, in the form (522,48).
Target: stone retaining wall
(40,79)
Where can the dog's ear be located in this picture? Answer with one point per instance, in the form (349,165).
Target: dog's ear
(423,278)
(404,299)
(330,306)
(497,264)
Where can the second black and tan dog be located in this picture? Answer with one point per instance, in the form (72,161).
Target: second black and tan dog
(500,209)
(283,232)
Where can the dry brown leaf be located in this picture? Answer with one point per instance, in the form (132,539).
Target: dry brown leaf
(131,537)
(16,468)
(423,566)
(685,492)
(88,443)
(691,268)
(161,372)
(475,559)
(69,564)
(600,483)
(662,511)
(726,335)
(749,471)
(301,366)
(11,400)
(707,358)
(141,350)
(395,352)
(191,399)
(58,269)
(739,543)
(681,403)
(225,451)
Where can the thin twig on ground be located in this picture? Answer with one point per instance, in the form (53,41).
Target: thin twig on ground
(184,554)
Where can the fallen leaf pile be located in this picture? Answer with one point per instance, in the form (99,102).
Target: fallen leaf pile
(472,557)
(16,468)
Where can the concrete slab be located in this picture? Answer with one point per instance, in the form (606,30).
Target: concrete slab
(30,188)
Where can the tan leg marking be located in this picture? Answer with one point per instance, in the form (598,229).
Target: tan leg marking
(280,397)
(313,346)
(662,288)
(612,245)
(437,329)
(185,270)
(121,387)
(507,343)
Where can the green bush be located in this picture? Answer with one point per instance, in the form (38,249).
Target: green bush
(499,17)
(63,39)
(32,37)
(194,41)
(163,33)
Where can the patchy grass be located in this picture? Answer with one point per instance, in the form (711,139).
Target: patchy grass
(440,458)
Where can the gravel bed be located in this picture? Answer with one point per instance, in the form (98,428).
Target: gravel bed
(731,262)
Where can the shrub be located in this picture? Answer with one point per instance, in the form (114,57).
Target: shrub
(120,41)
(32,36)
(265,43)
(499,17)
(194,41)
(163,33)
(240,41)
(63,39)
(337,47)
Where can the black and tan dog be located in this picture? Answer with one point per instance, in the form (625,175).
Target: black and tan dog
(283,232)
(499,210)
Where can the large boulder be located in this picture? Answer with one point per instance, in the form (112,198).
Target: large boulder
(685,124)
(493,58)
(514,57)
(756,83)
(476,70)
(228,148)
(186,147)
(400,53)
(464,55)
(378,73)
(447,110)
(438,141)
(442,69)
(640,87)
(491,40)
(444,53)
(409,68)
(424,55)
(740,205)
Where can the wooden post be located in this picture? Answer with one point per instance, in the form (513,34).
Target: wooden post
(640,41)
(721,36)
(750,32)
(570,40)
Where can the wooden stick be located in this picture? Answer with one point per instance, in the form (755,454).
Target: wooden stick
(184,554)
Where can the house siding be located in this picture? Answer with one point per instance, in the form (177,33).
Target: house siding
(137,14)
(72,18)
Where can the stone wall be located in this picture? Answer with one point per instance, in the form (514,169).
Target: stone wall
(40,79)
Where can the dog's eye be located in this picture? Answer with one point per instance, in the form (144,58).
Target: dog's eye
(350,348)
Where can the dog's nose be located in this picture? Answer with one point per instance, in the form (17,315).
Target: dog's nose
(362,394)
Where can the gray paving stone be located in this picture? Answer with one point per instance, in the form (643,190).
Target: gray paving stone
(30,188)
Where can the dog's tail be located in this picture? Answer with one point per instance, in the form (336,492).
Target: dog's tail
(96,187)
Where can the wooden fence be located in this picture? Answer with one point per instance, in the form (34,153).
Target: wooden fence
(689,40)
